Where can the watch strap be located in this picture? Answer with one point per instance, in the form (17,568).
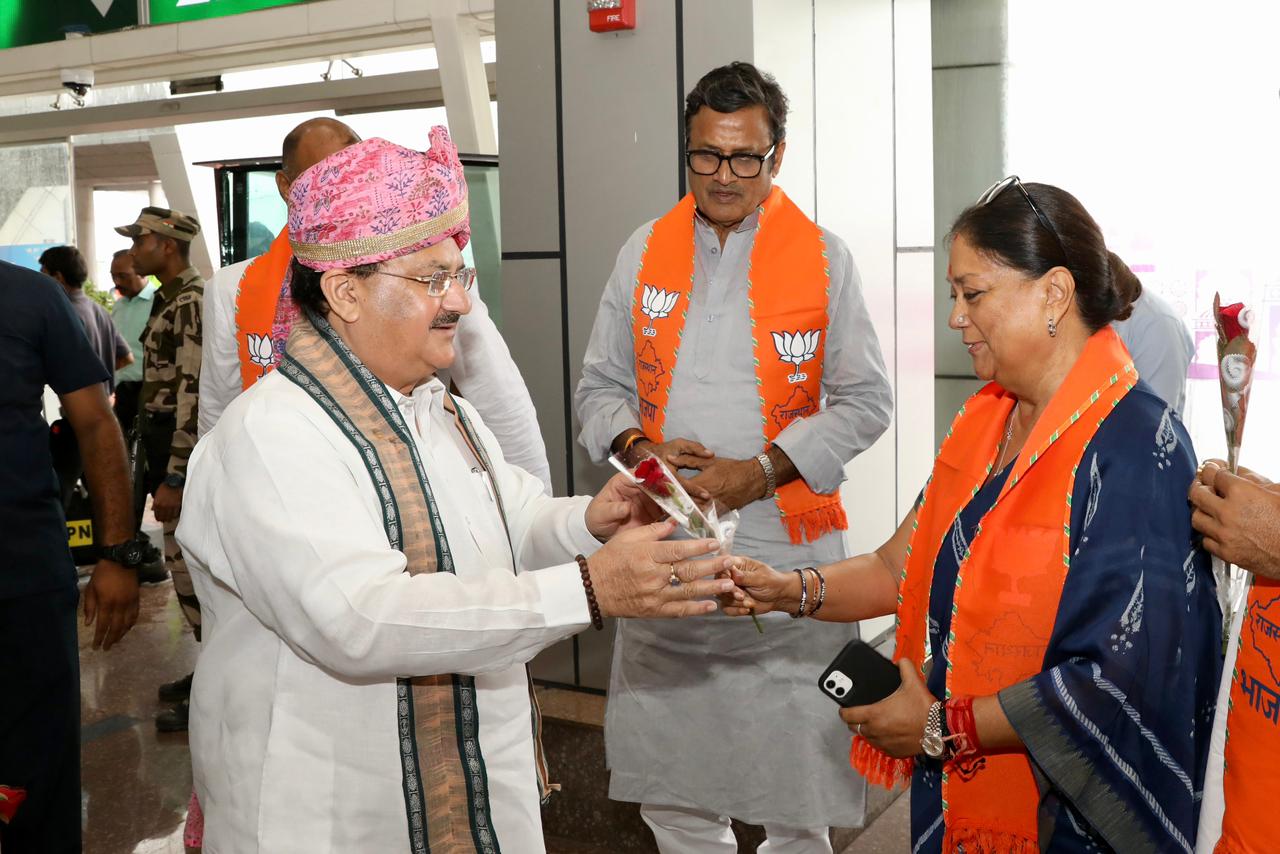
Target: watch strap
(770,476)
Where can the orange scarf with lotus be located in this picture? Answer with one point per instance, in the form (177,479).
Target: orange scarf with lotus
(256,300)
(1009,582)
(787,284)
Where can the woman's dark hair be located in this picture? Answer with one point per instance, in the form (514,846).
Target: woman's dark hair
(68,261)
(734,87)
(1007,230)
(304,285)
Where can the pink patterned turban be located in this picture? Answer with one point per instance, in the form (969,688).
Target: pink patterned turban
(377,200)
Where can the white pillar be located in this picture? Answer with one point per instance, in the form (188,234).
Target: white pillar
(84,234)
(172,169)
(463,79)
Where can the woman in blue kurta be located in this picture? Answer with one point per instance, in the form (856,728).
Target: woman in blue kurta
(1136,582)
(1098,743)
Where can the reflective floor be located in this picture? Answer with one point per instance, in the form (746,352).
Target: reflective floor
(136,782)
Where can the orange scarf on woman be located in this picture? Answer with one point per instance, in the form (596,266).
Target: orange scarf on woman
(1251,777)
(787,285)
(256,301)
(1009,583)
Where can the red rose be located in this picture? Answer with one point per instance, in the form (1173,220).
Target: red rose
(1230,323)
(650,474)
(10,800)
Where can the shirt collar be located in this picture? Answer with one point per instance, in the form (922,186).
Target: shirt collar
(747,224)
(144,295)
(416,407)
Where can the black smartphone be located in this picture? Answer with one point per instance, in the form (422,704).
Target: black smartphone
(859,676)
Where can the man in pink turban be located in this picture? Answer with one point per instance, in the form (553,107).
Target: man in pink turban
(367,558)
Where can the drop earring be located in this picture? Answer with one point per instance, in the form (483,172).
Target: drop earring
(1053,328)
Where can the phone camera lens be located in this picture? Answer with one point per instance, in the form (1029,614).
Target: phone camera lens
(840,692)
(831,683)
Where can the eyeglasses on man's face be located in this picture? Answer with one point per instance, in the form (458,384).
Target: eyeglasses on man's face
(438,283)
(1014,181)
(741,164)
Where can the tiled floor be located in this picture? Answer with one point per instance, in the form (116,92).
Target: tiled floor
(136,782)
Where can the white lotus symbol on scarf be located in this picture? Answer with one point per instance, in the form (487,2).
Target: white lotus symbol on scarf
(798,347)
(260,351)
(657,303)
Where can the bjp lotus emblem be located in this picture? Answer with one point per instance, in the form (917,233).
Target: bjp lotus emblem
(260,351)
(656,304)
(797,348)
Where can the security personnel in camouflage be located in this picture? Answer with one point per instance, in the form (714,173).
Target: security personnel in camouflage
(169,400)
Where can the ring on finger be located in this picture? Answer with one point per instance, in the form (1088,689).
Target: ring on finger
(857,728)
(673,579)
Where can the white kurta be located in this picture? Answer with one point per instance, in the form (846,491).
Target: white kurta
(309,618)
(716,674)
(483,371)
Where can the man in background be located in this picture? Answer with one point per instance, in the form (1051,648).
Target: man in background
(66,266)
(130,314)
(249,314)
(42,342)
(733,342)
(169,404)
(1160,344)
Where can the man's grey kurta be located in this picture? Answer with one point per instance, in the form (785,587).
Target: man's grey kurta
(707,713)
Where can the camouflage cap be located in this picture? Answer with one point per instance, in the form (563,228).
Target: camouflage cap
(164,222)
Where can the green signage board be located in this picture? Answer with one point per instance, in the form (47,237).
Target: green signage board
(24,22)
(172,11)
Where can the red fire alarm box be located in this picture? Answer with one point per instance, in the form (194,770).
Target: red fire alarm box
(608,16)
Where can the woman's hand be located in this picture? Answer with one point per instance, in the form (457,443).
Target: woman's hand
(620,506)
(895,725)
(765,588)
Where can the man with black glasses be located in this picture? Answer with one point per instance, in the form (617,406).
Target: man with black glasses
(779,382)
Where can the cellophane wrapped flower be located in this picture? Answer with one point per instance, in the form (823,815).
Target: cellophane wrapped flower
(661,485)
(1236,355)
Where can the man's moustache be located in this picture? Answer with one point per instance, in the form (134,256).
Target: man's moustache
(446,319)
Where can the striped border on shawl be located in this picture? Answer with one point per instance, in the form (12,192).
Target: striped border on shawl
(545,786)
(430,701)
(1072,773)
(308,383)
(432,732)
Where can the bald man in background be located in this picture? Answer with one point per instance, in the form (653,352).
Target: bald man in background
(246,322)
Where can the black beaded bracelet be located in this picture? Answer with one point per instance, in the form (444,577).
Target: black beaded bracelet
(804,594)
(597,621)
(822,589)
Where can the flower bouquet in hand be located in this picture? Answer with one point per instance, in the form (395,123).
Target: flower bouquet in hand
(661,485)
(1236,355)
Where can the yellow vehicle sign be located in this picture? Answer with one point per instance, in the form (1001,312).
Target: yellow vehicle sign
(79,533)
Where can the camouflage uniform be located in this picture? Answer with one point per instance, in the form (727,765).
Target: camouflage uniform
(168,407)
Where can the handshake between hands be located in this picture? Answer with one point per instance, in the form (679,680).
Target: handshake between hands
(638,572)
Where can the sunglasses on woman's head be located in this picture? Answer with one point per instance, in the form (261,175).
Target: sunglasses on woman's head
(1014,181)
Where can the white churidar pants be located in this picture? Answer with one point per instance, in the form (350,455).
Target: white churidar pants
(679,830)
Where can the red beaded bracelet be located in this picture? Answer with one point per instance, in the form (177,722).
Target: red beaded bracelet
(592,605)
